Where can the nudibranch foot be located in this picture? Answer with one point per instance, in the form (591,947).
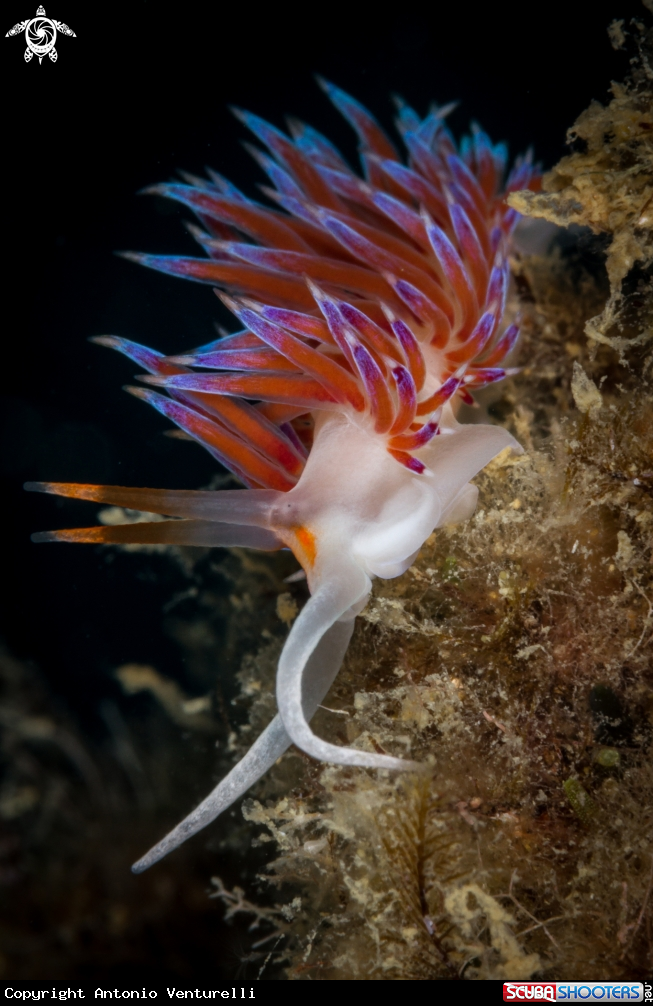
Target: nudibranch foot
(370,309)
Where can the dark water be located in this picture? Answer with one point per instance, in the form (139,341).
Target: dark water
(137,95)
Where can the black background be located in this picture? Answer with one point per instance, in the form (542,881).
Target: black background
(143,90)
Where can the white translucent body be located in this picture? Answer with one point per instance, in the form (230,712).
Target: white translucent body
(368,516)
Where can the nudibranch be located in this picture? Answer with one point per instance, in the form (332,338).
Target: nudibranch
(369,307)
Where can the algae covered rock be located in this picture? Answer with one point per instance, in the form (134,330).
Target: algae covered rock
(606,183)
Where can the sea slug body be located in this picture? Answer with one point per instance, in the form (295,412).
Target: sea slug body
(368,308)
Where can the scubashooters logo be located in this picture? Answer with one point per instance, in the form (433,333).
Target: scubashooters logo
(40,35)
(572,992)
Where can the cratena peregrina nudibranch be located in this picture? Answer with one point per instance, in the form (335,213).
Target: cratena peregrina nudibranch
(369,307)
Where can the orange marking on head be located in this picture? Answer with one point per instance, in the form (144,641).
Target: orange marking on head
(306,546)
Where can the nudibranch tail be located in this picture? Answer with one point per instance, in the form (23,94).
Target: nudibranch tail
(370,307)
(321,669)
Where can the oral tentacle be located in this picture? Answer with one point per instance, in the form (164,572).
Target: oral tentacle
(205,533)
(321,670)
(232,506)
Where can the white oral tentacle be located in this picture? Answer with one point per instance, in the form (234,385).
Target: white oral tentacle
(321,670)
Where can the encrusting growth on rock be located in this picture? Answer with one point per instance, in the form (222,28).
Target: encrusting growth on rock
(606,184)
